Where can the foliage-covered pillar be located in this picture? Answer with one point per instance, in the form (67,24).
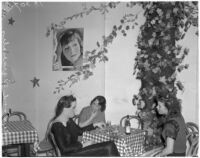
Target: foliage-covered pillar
(159,59)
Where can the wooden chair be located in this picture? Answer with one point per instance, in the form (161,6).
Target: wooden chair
(16,114)
(45,146)
(132,117)
(57,150)
(14,149)
(45,149)
(192,144)
(5,117)
(192,127)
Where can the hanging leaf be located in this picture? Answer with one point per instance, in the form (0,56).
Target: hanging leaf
(98,44)
(120,27)
(180,85)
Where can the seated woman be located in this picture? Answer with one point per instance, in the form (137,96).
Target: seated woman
(93,113)
(66,132)
(174,128)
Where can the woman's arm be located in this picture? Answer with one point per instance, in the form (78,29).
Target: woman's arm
(168,149)
(89,120)
(77,129)
(170,132)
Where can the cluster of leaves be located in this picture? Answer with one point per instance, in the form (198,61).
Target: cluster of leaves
(4,57)
(160,58)
(99,53)
(8,6)
(103,8)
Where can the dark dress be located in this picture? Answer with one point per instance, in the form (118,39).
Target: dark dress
(175,128)
(67,141)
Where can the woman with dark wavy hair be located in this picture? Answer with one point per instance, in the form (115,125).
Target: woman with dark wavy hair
(66,133)
(174,127)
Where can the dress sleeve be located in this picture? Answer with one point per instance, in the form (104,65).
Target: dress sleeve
(171,129)
(63,139)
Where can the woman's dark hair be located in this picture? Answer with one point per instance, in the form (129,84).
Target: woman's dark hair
(102,102)
(71,34)
(64,102)
(172,104)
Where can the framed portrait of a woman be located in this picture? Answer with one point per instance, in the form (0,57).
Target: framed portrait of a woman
(68,49)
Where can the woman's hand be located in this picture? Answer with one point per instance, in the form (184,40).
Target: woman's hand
(99,125)
(93,115)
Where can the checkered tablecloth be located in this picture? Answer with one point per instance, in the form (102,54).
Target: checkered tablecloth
(127,145)
(16,132)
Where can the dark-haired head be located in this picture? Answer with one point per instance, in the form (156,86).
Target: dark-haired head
(64,102)
(101,102)
(172,104)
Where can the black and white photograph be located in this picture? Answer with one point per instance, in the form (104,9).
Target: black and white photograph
(68,49)
(100,79)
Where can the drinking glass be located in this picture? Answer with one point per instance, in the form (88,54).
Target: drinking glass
(108,123)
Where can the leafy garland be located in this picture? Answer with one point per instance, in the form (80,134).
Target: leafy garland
(99,53)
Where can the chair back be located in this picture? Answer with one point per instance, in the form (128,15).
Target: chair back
(136,122)
(52,139)
(16,115)
(5,117)
(192,144)
(192,127)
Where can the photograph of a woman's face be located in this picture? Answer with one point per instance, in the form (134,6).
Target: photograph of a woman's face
(68,52)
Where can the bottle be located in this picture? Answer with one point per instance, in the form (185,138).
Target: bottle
(127,125)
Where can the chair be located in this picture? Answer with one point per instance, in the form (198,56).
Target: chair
(5,117)
(57,150)
(20,115)
(192,127)
(13,149)
(192,144)
(45,146)
(45,149)
(132,117)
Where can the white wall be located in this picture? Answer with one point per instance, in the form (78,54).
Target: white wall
(31,55)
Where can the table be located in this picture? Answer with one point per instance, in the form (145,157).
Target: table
(127,145)
(19,132)
(152,152)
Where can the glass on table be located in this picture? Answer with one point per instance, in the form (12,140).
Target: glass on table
(108,123)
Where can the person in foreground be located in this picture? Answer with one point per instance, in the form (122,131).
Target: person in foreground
(174,128)
(66,133)
(93,113)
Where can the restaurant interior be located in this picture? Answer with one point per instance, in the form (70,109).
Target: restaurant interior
(114,66)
